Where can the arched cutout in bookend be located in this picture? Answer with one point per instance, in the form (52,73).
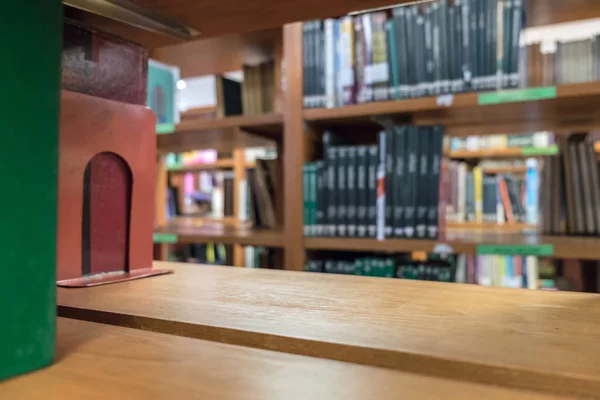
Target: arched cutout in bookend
(106,178)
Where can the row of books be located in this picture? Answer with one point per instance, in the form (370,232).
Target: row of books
(261,257)
(490,270)
(391,189)
(475,196)
(412,51)
(211,194)
(570,189)
(386,267)
(564,62)
(500,142)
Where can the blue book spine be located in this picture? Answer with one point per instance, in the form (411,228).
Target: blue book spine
(532,191)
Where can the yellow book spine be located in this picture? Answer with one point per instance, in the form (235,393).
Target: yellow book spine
(478,178)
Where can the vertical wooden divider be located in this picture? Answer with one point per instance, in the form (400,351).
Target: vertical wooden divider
(294,146)
(239,176)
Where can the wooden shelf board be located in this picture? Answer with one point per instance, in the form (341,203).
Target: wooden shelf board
(491,226)
(92,359)
(221,233)
(574,108)
(219,164)
(505,170)
(220,134)
(488,153)
(509,337)
(466,241)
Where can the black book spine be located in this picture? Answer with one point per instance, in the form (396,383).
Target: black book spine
(444,53)
(322,97)
(492,42)
(467,66)
(429,59)
(420,53)
(424,138)
(481,42)
(373,162)
(389,33)
(436,146)
(321,198)
(437,61)
(362,190)
(342,194)
(508,18)
(458,46)
(332,194)
(411,182)
(314,49)
(410,52)
(517,24)
(474,47)
(451,29)
(351,190)
(401,50)
(399,181)
(305,61)
(389,183)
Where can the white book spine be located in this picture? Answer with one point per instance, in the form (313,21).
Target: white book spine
(329,64)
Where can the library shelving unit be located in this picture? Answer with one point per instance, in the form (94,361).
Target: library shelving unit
(297,132)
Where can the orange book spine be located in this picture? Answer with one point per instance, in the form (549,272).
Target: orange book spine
(510,218)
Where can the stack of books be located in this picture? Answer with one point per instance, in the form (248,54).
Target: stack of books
(410,51)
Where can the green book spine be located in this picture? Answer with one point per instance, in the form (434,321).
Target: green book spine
(401,51)
(313,199)
(305,197)
(424,139)
(331,215)
(31,41)
(390,161)
(342,195)
(409,30)
(352,192)
(394,86)
(321,198)
(429,57)
(411,182)
(435,159)
(373,162)
(362,191)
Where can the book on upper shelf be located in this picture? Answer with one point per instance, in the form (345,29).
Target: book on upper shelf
(409,51)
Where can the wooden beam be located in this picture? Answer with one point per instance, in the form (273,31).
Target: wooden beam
(293,146)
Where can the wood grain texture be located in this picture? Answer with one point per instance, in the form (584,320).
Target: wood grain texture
(97,361)
(294,147)
(223,164)
(466,241)
(220,134)
(574,109)
(224,233)
(544,341)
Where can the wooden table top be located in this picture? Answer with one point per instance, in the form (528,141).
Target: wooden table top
(96,361)
(546,341)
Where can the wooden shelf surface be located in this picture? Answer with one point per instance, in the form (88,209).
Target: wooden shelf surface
(487,153)
(573,108)
(504,170)
(518,338)
(218,165)
(96,361)
(466,241)
(220,233)
(220,134)
(489,226)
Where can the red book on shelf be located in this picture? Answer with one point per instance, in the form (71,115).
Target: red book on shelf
(510,218)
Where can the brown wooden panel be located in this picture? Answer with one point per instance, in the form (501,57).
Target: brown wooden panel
(223,233)
(96,361)
(509,337)
(545,12)
(222,54)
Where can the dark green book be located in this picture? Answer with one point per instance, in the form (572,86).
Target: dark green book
(305,197)
(410,187)
(321,198)
(474,40)
(429,59)
(507,17)
(436,49)
(393,71)
(362,190)
(458,46)
(401,51)
(305,59)
(444,47)
(492,43)
(398,186)
(423,191)
(481,43)
(435,162)
(467,66)
(390,161)
(351,191)
(517,24)
(410,30)
(451,31)
(373,162)
(419,56)
(331,215)
(341,191)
